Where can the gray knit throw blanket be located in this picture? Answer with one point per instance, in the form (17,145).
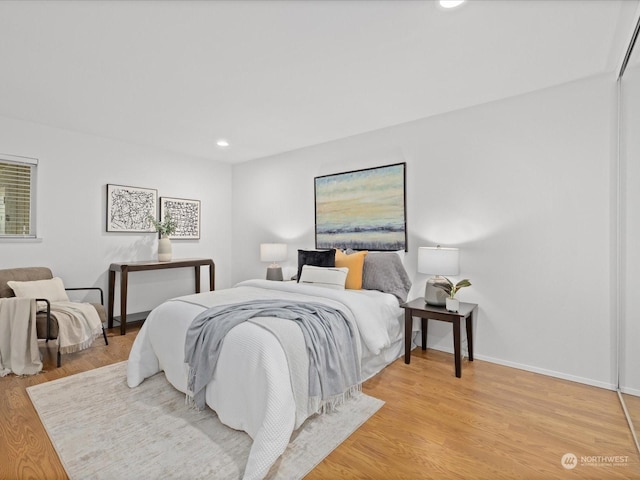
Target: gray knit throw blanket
(334,368)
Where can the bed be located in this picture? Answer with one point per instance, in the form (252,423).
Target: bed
(263,403)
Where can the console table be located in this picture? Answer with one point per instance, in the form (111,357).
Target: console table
(125,267)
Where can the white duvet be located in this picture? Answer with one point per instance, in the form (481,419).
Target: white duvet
(251,389)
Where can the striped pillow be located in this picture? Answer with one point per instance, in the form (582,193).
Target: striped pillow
(328,277)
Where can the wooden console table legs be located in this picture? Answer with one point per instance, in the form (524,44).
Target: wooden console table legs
(125,268)
(112,291)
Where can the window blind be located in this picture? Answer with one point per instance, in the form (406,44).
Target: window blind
(17,196)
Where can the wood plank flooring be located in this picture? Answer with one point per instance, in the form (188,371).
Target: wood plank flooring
(493,423)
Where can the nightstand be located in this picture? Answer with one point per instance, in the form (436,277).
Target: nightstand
(419,308)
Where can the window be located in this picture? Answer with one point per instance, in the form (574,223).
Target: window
(17,196)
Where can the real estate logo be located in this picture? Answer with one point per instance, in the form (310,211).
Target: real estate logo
(569,461)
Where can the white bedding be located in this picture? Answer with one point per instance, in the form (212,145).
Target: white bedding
(251,389)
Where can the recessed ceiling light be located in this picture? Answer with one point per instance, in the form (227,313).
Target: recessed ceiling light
(222,143)
(451,3)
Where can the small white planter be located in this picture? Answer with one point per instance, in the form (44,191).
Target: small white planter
(453,304)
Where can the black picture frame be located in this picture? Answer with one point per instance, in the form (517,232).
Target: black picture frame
(186,213)
(362,209)
(129,208)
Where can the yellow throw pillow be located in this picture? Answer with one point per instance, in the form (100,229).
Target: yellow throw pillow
(354,263)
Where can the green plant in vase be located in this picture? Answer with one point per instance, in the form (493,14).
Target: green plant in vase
(451,289)
(165,228)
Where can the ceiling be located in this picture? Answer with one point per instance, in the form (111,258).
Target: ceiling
(275,76)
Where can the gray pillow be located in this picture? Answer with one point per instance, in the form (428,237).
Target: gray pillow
(384,271)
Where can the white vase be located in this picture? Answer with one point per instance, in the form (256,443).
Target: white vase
(453,304)
(164,249)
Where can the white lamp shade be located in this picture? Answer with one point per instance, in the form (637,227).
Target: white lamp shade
(273,252)
(439,260)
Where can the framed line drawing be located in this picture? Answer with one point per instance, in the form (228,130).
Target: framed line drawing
(129,208)
(186,213)
(362,209)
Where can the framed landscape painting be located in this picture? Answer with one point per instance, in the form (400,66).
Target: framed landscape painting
(362,209)
(129,208)
(186,214)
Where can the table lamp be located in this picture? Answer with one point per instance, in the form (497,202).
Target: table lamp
(273,252)
(438,261)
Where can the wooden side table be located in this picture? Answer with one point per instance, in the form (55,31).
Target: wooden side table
(419,308)
(126,267)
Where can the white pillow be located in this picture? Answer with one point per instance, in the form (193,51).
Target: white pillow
(51,289)
(328,277)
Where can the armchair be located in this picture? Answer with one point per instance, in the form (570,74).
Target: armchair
(46,322)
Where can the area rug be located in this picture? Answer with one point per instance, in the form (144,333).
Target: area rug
(102,429)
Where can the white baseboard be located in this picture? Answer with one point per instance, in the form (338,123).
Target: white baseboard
(630,391)
(550,373)
(542,371)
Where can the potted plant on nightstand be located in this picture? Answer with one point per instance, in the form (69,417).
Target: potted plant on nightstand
(452,303)
(164,228)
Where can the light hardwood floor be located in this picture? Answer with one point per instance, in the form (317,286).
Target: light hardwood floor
(493,423)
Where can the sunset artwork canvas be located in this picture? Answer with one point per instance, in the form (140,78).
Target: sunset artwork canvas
(362,209)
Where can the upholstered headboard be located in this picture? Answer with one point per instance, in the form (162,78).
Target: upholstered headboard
(27,274)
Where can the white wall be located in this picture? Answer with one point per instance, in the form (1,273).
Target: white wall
(73,172)
(523,186)
(630,164)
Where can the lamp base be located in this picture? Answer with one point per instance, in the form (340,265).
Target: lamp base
(433,294)
(274,273)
